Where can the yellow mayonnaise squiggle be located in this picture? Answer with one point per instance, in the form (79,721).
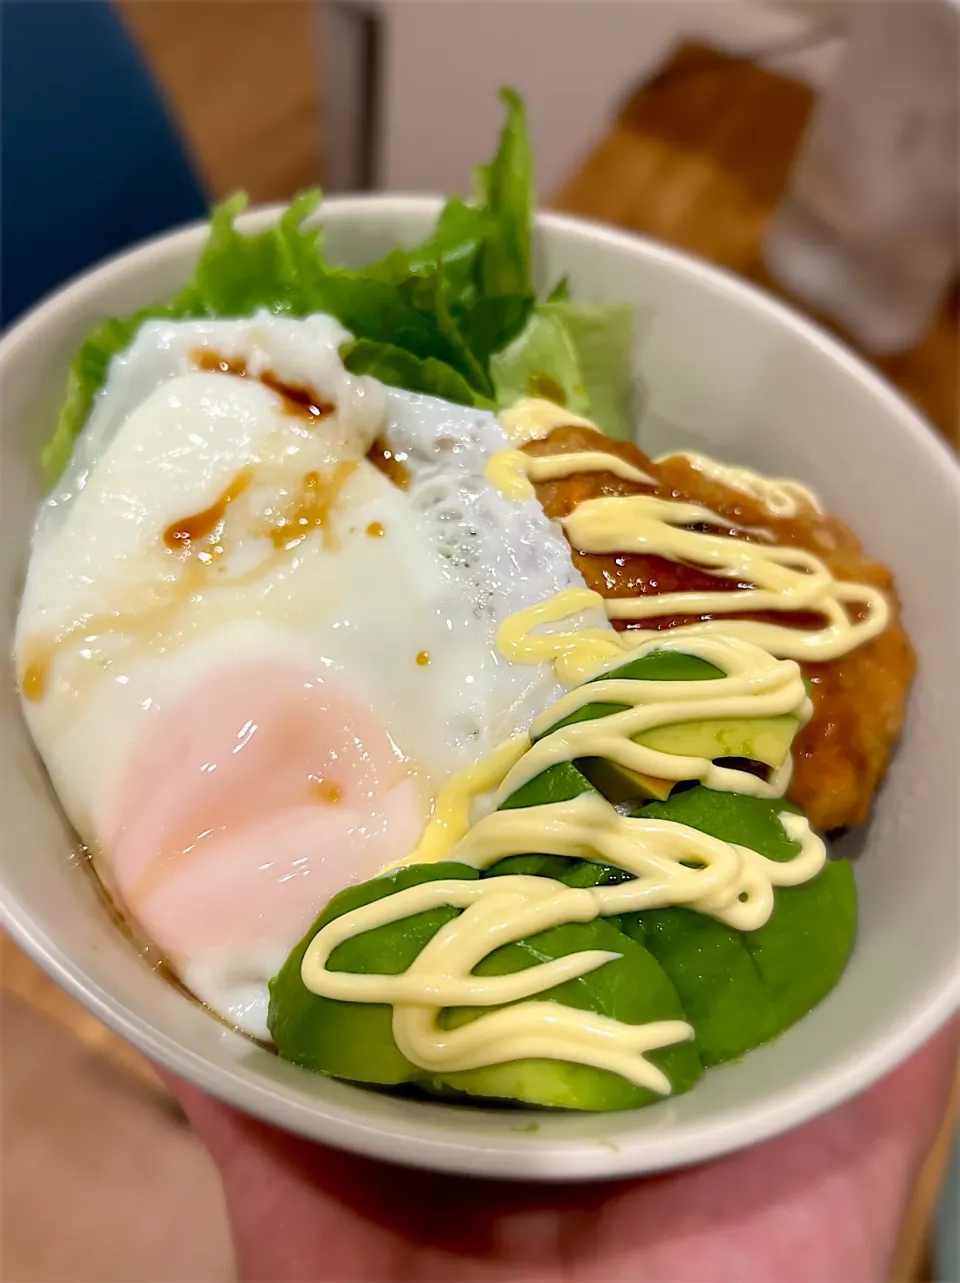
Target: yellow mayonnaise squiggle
(451,811)
(782,496)
(755,685)
(783,579)
(525,637)
(672,864)
(497,911)
(533,418)
(514,473)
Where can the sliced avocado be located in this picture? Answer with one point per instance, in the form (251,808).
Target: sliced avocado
(571,872)
(355,1039)
(760,739)
(658,666)
(559,783)
(764,739)
(633,989)
(733,817)
(742,988)
(532,866)
(620,784)
(664,666)
(587,873)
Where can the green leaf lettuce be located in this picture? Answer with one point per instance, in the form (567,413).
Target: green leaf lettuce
(454,317)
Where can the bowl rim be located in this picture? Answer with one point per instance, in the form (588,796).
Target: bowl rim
(558,1159)
(743,292)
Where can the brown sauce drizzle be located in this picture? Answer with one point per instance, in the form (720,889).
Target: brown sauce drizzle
(313,508)
(187,532)
(198,540)
(327,792)
(35,676)
(391,464)
(299,401)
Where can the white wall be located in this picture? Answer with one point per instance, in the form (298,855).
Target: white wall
(574,61)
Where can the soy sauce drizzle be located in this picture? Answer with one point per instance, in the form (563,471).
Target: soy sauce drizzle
(299,401)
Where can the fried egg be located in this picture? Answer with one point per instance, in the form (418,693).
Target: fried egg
(258,633)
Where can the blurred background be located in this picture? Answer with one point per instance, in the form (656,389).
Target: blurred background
(811,146)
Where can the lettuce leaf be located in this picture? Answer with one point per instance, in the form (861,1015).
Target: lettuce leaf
(279,269)
(506,195)
(482,250)
(560,292)
(577,355)
(400,369)
(455,316)
(540,362)
(603,337)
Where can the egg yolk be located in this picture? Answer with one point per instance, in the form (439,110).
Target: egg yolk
(251,800)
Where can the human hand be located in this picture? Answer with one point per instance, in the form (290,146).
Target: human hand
(821,1204)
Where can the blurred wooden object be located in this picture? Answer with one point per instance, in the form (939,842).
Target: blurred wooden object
(242,80)
(23,978)
(699,157)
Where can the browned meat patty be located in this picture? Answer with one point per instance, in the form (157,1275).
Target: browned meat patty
(842,754)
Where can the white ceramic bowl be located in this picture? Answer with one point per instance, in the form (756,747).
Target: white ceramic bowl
(721,367)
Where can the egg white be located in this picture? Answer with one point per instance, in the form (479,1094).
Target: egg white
(453,561)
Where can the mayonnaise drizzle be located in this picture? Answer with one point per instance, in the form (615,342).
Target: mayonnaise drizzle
(576,655)
(451,811)
(755,686)
(756,683)
(731,883)
(533,418)
(782,578)
(672,864)
(514,473)
(780,495)
(497,911)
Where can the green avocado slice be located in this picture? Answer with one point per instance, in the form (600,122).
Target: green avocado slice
(559,783)
(764,739)
(355,1039)
(742,988)
(760,739)
(633,989)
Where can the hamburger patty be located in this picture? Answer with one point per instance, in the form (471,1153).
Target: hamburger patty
(841,755)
